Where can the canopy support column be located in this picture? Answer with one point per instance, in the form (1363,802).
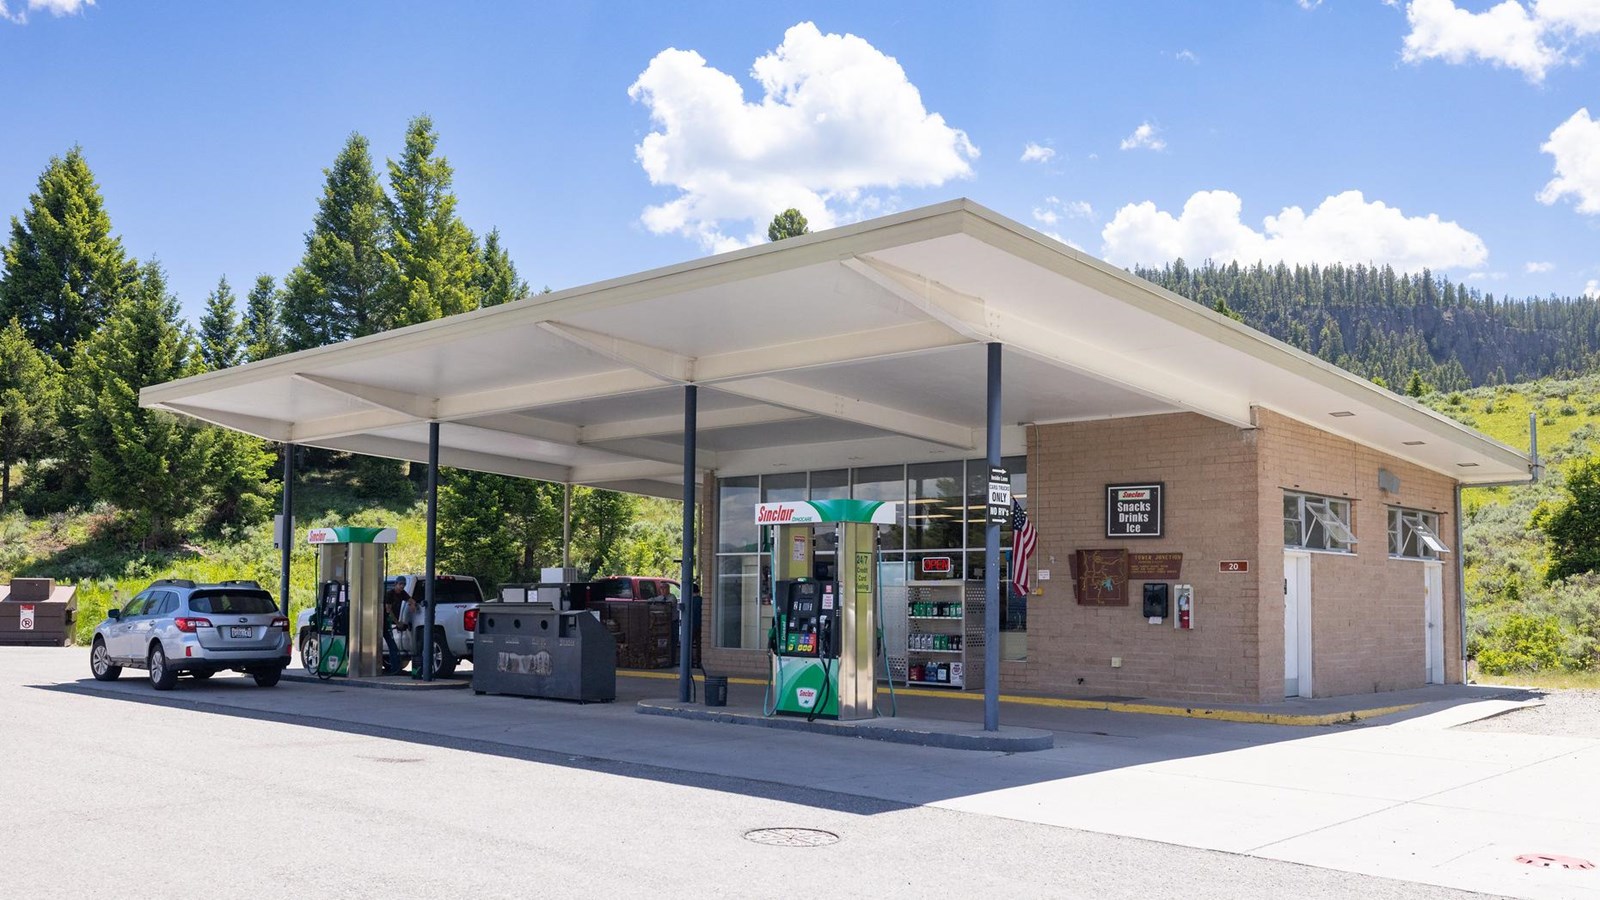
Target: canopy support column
(286,536)
(991,562)
(686,570)
(566,526)
(431,551)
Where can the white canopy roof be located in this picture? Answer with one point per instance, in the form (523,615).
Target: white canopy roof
(849,347)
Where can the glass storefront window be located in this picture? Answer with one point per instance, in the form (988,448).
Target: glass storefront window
(736,518)
(741,614)
(936,565)
(935,508)
(833,484)
(883,483)
(783,488)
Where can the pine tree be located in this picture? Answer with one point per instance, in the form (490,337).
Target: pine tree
(497,280)
(148,463)
(787,224)
(430,250)
(1415,386)
(337,291)
(63,268)
(221,338)
(30,382)
(263,325)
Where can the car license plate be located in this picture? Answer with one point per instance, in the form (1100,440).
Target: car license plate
(241,631)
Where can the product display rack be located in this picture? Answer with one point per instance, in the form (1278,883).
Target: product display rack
(945,648)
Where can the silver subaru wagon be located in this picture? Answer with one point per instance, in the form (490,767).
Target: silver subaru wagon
(177,626)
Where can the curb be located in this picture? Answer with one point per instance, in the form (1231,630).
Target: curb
(1218,714)
(923,733)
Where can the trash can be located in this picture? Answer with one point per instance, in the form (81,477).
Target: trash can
(534,650)
(716,690)
(34,612)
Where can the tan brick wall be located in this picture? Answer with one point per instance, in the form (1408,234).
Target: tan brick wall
(1366,609)
(1209,469)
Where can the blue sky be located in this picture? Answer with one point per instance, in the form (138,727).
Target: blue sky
(1159,128)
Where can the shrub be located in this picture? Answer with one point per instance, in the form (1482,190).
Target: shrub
(1522,643)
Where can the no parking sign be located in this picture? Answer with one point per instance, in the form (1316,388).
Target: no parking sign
(27,616)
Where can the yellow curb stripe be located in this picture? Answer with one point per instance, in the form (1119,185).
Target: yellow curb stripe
(1149,709)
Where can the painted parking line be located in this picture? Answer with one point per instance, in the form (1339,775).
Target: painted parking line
(1150,709)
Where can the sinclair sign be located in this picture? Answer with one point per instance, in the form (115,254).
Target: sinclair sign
(809,512)
(1133,510)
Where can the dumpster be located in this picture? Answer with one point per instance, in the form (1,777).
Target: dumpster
(34,612)
(537,650)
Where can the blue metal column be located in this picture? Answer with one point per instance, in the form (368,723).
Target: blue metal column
(286,551)
(991,563)
(686,572)
(432,546)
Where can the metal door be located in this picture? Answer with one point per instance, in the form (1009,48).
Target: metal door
(1297,625)
(1433,621)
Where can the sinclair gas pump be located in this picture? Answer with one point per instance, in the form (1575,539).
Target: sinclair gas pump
(349,614)
(824,636)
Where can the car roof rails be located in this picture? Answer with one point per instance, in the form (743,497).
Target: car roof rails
(173,582)
(241,582)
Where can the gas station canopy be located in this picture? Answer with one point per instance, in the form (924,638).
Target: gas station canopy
(850,347)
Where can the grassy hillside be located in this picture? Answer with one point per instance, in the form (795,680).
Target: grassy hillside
(1515,621)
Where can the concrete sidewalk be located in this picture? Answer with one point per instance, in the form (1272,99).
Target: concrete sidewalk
(1405,796)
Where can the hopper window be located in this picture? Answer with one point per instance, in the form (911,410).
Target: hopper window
(1414,534)
(1317,523)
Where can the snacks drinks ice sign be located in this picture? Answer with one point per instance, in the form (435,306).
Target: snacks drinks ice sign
(1133,510)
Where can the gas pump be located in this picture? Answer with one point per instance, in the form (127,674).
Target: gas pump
(349,611)
(824,640)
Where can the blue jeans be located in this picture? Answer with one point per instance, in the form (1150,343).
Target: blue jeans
(393,650)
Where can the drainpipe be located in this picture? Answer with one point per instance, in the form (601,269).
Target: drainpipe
(1536,471)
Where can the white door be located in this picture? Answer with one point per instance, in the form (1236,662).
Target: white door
(1433,621)
(1297,625)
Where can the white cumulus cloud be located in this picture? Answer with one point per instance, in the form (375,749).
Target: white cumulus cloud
(836,120)
(54,7)
(1592,289)
(1143,136)
(1039,153)
(1345,227)
(1188,57)
(1538,268)
(1576,146)
(1532,38)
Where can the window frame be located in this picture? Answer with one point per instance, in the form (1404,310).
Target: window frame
(1320,514)
(1423,524)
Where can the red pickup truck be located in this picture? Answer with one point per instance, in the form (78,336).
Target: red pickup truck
(632,587)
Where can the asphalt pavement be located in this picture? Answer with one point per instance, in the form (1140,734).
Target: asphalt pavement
(222,789)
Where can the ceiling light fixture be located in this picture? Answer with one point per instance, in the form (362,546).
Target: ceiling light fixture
(1342,414)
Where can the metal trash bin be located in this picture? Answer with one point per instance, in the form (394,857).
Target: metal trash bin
(716,690)
(36,613)
(534,650)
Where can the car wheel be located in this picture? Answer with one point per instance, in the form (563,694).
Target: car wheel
(100,662)
(162,675)
(310,654)
(267,677)
(444,662)
(201,674)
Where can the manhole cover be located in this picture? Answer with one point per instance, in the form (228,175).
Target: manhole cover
(1552,861)
(792,837)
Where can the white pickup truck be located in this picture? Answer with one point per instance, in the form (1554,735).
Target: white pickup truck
(455,611)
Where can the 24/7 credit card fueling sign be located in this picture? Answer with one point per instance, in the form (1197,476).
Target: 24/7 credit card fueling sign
(810,512)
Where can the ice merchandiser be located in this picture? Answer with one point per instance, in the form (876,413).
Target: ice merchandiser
(349,614)
(825,642)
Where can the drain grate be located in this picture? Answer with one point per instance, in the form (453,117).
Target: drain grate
(1554,861)
(792,837)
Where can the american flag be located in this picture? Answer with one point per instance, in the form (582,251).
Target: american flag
(1023,539)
